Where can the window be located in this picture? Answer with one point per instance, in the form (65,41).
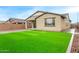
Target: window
(19,23)
(50,22)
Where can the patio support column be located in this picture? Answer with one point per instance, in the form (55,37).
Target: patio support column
(25,24)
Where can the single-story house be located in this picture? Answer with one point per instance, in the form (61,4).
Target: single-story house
(2,22)
(74,25)
(15,21)
(42,20)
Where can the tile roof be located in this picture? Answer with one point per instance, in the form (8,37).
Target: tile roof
(40,13)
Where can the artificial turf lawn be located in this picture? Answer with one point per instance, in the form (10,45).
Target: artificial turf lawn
(34,41)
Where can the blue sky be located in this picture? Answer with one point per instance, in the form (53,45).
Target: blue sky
(23,12)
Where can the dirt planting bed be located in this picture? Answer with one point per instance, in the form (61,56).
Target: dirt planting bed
(75,45)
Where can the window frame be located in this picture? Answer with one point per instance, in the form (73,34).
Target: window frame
(52,24)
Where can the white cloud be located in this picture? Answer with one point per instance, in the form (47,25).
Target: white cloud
(72,9)
(4,14)
(73,13)
(27,13)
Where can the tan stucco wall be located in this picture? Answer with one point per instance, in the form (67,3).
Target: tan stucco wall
(60,24)
(40,23)
(26,25)
(65,24)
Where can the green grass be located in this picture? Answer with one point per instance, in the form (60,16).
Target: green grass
(35,41)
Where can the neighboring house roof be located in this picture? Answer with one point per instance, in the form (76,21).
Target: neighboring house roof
(40,13)
(16,20)
(77,23)
(2,21)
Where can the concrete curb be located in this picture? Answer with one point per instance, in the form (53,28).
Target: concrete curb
(71,41)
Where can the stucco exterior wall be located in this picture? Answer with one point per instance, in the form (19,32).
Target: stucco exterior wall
(26,25)
(60,23)
(40,23)
(65,24)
